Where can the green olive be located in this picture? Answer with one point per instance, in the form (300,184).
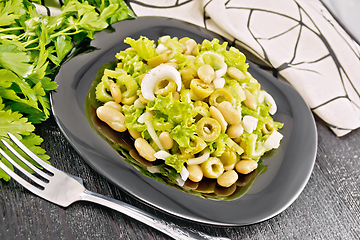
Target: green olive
(129,100)
(220,95)
(198,144)
(202,110)
(212,168)
(201,89)
(164,87)
(201,104)
(268,127)
(187,74)
(156,61)
(142,99)
(228,157)
(208,129)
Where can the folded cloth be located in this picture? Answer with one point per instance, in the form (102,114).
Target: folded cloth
(298,40)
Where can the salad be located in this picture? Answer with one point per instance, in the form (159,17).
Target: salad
(195,115)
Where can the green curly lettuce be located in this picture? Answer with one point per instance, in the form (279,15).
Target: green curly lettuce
(132,114)
(143,46)
(183,134)
(177,112)
(217,147)
(132,63)
(176,162)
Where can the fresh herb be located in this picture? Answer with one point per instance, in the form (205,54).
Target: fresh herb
(32,49)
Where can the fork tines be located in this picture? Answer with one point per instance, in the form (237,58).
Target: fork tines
(15,176)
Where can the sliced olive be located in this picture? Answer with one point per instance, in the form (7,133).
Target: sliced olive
(164,87)
(220,95)
(201,104)
(212,168)
(198,144)
(268,127)
(156,61)
(208,129)
(229,157)
(201,89)
(129,100)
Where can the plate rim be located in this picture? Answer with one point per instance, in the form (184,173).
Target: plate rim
(289,202)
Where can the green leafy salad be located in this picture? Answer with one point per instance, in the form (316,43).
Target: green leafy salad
(198,119)
(32,49)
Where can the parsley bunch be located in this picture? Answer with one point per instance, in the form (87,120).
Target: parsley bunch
(32,49)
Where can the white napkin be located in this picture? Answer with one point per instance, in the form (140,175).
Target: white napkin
(298,39)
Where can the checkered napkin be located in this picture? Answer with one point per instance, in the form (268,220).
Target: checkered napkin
(298,40)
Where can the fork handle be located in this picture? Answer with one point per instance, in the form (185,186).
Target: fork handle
(168,228)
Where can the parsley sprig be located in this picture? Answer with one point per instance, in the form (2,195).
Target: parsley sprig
(32,49)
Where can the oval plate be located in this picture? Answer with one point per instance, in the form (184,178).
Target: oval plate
(289,167)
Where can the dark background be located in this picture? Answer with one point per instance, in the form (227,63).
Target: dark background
(328,207)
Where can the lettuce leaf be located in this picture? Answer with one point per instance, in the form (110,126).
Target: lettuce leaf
(177,112)
(132,114)
(160,122)
(182,135)
(235,58)
(175,162)
(143,46)
(236,91)
(169,172)
(213,46)
(217,147)
(132,63)
(174,45)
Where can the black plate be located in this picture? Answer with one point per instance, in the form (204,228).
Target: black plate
(289,168)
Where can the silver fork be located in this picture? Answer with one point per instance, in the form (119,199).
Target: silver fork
(64,189)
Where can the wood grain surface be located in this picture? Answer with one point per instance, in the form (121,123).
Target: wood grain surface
(328,208)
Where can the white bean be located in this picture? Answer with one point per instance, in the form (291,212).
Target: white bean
(111,116)
(145,149)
